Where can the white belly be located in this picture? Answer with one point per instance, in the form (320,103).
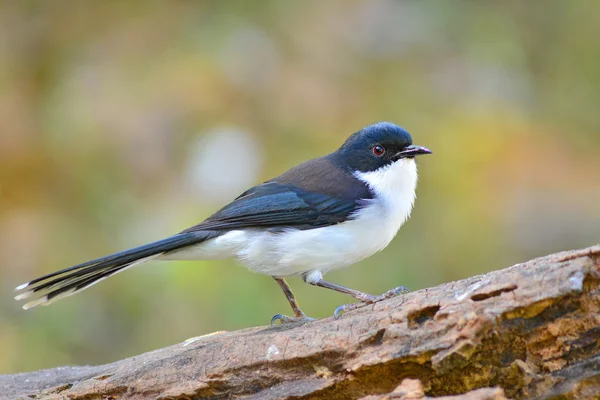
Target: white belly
(293,252)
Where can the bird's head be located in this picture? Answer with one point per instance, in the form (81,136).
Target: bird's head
(378,146)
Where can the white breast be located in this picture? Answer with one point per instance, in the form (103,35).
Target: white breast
(294,252)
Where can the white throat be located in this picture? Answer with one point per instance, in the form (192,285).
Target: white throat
(394,187)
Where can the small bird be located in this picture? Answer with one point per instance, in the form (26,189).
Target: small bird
(324,214)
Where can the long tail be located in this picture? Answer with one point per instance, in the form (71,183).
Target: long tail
(49,288)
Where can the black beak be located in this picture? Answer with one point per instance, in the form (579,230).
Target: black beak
(413,151)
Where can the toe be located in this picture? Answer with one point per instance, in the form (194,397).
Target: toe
(400,290)
(284,319)
(393,292)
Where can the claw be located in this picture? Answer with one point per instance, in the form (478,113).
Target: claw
(277,317)
(339,311)
(347,307)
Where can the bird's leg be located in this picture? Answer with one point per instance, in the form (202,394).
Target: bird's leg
(365,298)
(287,290)
(298,313)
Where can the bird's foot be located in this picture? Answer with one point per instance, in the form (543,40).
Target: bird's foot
(369,299)
(284,319)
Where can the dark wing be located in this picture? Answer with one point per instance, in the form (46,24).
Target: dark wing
(274,204)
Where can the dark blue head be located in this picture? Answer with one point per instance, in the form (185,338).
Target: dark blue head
(376,146)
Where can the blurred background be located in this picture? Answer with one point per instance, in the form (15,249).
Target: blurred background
(125,122)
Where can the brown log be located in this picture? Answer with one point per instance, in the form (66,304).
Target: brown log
(528,331)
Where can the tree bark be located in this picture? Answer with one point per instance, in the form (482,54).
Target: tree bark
(528,331)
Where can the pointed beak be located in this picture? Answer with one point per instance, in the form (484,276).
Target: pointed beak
(413,151)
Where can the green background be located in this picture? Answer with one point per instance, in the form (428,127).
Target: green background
(114,116)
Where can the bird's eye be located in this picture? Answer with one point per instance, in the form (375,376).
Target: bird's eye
(378,150)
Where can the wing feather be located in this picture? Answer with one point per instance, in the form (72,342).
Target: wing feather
(276,205)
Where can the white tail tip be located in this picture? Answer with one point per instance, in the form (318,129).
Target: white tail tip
(21,287)
(42,300)
(23,296)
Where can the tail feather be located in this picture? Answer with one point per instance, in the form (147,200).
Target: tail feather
(59,284)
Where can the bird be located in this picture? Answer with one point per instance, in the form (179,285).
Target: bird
(321,215)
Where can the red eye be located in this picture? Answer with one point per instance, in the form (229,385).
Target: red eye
(378,150)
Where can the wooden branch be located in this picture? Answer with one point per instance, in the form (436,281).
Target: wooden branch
(532,330)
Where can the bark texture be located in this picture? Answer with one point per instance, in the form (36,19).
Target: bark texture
(528,331)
